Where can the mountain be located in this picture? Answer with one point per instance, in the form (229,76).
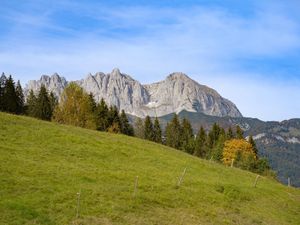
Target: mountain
(176,93)
(279,142)
(57,174)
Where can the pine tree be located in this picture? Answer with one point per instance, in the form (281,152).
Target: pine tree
(157,131)
(125,126)
(2,88)
(20,98)
(200,149)
(173,133)
(43,106)
(10,99)
(148,131)
(31,104)
(217,150)
(239,132)
(139,129)
(102,116)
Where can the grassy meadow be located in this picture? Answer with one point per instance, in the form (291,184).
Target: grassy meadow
(57,174)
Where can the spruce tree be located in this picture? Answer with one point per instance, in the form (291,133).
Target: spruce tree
(2,87)
(173,133)
(125,126)
(10,100)
(187,136)
(157,131)
(114,120)
(92,102)
(43,106)
(102,116)
(148,131)
(200,149)
(252,142)
(20,98)
(31,104)
(53,102)
(230,134)
(239,132)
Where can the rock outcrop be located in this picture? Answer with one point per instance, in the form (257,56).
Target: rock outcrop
(176,93)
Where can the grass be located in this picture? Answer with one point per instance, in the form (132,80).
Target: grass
(44,165)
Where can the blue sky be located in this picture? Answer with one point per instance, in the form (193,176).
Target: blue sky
(249,51)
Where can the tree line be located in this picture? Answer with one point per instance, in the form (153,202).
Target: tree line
(78,108)
(75,107)
(223,146)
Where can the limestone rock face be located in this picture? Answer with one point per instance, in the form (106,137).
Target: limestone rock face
(176,93)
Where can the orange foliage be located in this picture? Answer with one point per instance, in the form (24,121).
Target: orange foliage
(234,147)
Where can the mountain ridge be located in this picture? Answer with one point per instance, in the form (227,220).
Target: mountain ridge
(176,93)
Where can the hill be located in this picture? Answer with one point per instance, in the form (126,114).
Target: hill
(44,166)
(279,142)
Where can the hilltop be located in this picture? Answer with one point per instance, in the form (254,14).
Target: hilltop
(44,165)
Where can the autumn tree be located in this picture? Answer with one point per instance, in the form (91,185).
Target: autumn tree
(75,108)
(139,128)
(238,150)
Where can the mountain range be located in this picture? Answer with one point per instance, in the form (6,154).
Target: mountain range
(203,106)
(176,93)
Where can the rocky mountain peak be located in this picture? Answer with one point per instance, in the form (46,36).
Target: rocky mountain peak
(176,93)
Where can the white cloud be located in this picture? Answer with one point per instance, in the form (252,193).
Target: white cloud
(202,42)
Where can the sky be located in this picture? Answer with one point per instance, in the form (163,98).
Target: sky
(249,51)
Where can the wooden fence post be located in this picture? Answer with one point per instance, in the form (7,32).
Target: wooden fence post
(135,186)
(256,179)
(78,204)
(181,178)
(289,182)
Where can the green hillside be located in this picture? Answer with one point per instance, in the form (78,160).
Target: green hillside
(44,166)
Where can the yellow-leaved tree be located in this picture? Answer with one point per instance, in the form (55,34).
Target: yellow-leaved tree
(237,149)
(75,108)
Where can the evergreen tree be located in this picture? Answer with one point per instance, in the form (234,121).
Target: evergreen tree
(239,132)
(31,104)
(173,133)
(125,126)
(10,100)
(213,135)
(2,88)
(217,150)
(148,131)
(53,102)
(230,134)
(200,149)
(102,116)
(114,120)
(20,98)
(187,136)
(157,131)
(43,106)
(139,129)
(93,102)
(252,142)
